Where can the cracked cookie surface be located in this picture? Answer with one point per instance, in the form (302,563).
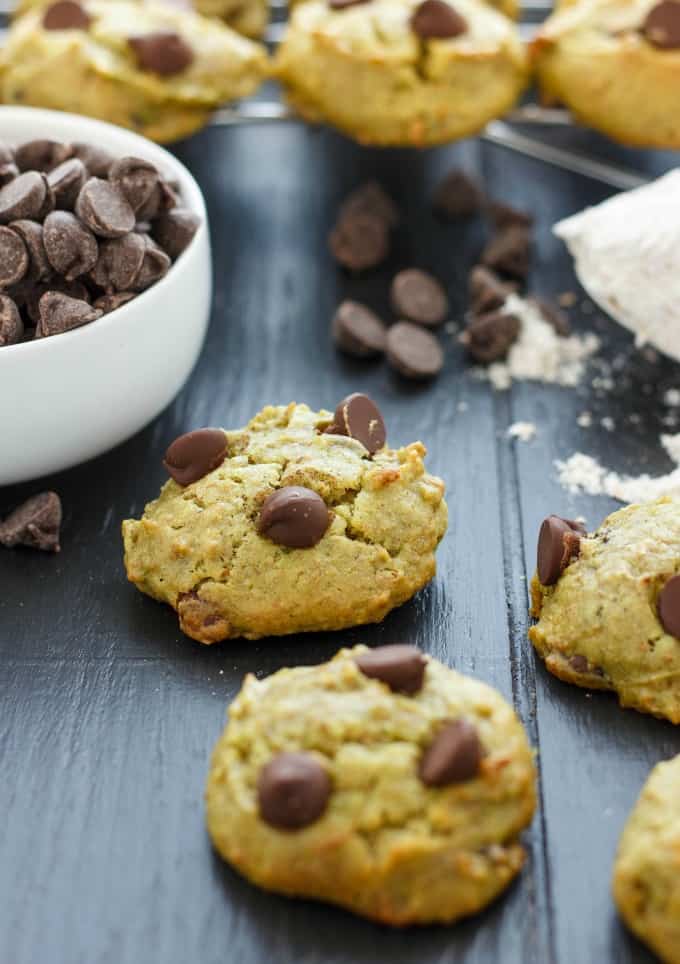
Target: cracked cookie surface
(599,625)
(387,846)
(198,548)
(364,70)
(647,870)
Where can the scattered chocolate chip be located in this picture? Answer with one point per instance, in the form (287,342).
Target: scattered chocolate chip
(359,241)
(668,605)
(505,216)
(11,326)
(35,523)
(163,52)
(97,160)
(662,25)
(454,756)
(135,179)
(402,668)
(13,258)
(294,516)
(103,209)
(120,262)
(39,267)
(419,297)
(413,351)
(175,230)
(457,196)
(357,416)
(358,331)
(487,291)
(553,315)
(60,313)
(193,455)
(66,15)
(109,303)
(8,167)
(66,181)
(579,663)
(434,19)
(559,542)
(292,791)
(489,337)
(155,265)
(41,155)
(71,248)
(27,196)
(509,252)
(371,198)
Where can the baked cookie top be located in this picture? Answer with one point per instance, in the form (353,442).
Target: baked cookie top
(605,27)
(209,547)
(413,773)
(647,870)
(608,619)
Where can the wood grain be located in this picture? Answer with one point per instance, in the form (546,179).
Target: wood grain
(109,714)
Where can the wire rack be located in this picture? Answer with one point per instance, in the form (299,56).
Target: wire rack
(514,131)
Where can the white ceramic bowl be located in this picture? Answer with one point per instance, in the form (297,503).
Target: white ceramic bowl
(68,398)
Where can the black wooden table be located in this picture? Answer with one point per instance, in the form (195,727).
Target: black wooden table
(109,714)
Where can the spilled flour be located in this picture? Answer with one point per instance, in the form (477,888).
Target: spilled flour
(583,473)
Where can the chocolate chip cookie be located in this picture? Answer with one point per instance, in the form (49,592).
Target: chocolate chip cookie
(608,605)
(300,521)
(381,781)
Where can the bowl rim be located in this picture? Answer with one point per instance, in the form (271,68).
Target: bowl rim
(81,128)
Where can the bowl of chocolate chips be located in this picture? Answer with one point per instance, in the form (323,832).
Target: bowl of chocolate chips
(105,287)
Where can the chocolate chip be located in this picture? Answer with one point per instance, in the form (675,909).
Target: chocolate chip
(35,523)
(357,416)
(109,303)
(71,248)
(28,294)
(97,160)
(294,516)
(135,179)
(162,198)
(419,297)
(8,167)
(662,25)
(487,291)
(120,262)
(66,181)
(27,196)
(371,198)
(155,265)
(413,351)
(103,209)
(505,216)
(341,4)
(402,668)
(436,19)
(41,155)
(454,756)
(11,326)
(489,337)
(359,241)
(60,313)
(668,605)
(457,196)
(39,267)
(162,52)
(358,331)
(292,791)
(175,230)
(553,315)
(559,542)
(66,15)
(193,455)
(13,257)
(509,252)
(579,663)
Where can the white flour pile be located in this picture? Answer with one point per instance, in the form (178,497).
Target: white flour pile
(583,473)
(539,354)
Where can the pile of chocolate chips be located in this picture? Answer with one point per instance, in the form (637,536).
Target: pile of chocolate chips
(81,233)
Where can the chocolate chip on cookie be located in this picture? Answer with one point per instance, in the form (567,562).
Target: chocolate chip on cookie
(455,755)
(579,663)
(414,352)
(357,416)
(13,258)
(509,252)
(419,297)
(26,196)
(162,52)
(489,337)
(35,523)
(71,248)
(358,331)
(669,606)
(194,454)
(359,241)
(294,516)
(402,668)
(662,25)
(11,325)
(436,19)
(105,211)
(60,313)
(457,196)
(292,791)
(559,542)
(66,15)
